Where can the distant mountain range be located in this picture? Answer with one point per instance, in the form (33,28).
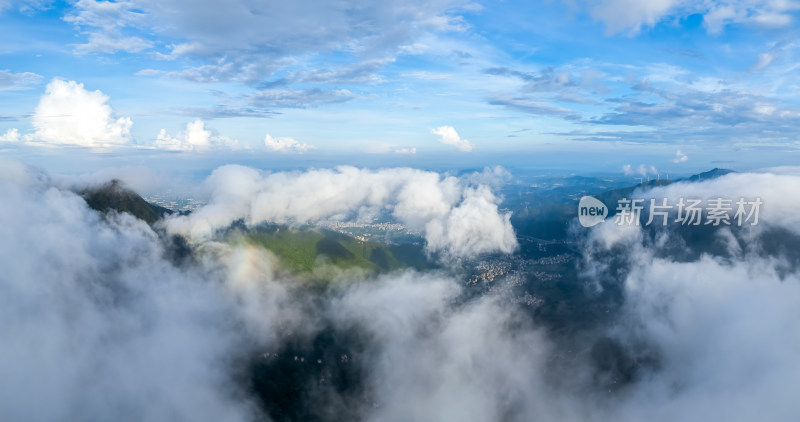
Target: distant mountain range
(611,197)
(551,220)
(711,174)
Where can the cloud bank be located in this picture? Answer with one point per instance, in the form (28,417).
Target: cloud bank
(458,217)
(716,313)
(97,324)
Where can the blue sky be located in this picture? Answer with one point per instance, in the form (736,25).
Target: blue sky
(680,86)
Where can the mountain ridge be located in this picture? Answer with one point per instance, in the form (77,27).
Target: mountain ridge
(114,195)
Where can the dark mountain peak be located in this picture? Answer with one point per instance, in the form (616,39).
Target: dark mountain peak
(116,185)
(114,195)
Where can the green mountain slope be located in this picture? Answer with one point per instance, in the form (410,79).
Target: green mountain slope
(303,250)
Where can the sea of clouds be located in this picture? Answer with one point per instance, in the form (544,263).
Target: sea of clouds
(98,323)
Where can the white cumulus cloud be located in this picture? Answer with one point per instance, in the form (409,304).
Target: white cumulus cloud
(69,114)
(680,157)
(285,145)
(642,170)
(11,135)
(449,136)
(195,137)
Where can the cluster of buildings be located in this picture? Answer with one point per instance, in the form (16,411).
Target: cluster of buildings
(175,203)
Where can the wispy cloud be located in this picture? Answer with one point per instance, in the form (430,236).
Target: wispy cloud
(233,45)
(299,98)
(224,111)
(630,17)
(533,107)
(16,81)
(105,23)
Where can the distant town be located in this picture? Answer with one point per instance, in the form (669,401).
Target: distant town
(175,203)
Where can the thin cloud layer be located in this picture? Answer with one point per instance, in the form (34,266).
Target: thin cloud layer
(231,41)
(15,81)
(629,17)
(404,150)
